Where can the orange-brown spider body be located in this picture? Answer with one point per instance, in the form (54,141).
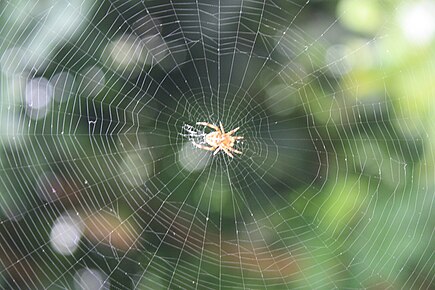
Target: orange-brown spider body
(219,140)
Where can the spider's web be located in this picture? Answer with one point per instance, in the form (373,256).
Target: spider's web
(102,187)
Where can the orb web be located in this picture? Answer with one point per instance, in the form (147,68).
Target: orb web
(101,186)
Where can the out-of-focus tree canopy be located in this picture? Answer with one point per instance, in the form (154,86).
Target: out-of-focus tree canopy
(102,185)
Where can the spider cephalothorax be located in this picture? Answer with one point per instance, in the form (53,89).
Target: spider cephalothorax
(219,140)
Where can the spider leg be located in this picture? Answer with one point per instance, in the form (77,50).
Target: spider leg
(228,152)
(203,147)
(216,128)
(237,137)
(222,128)
(217,150)
(234,150)
(233,131)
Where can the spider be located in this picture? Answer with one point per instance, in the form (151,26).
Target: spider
(219,140)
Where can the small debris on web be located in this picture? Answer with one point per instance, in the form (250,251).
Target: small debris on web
(193,134)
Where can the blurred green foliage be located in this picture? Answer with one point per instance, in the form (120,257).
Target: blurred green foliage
(335,188)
